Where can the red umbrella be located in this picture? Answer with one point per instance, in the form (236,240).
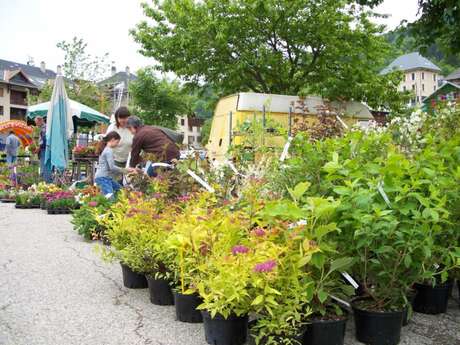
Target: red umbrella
(20,129)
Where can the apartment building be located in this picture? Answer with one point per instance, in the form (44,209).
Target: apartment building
(421,76)
(190,127)
(17,81)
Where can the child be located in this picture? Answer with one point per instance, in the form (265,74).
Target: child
(107,170)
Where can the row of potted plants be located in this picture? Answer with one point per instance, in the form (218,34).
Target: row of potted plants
(45,196)
(276,245)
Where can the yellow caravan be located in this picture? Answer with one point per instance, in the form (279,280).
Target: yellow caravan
(233,110)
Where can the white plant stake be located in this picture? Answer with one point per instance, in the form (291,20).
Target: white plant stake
(341,121)
(286,149)
(201,181)
(383,194)
(350,280)
(232,166)
(341,301)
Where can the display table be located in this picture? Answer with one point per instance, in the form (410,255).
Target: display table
(84,167)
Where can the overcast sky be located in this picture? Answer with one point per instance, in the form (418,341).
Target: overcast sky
(31,28)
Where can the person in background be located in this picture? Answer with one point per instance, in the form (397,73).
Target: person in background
(45,173)
(122,150)
(107,170)
(150,140)
(11,148)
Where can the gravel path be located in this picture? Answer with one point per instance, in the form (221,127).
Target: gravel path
(55,290)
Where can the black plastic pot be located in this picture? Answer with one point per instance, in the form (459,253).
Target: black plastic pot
(160,291)
(131,279)
(186,307)
(221,331)
(431,300)
(325,332)
(458,286)
(377,328)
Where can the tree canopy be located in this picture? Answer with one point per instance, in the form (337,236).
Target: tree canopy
(439,21)
(158,101)
(325,47)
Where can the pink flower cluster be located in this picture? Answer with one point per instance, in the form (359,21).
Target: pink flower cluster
(184,198)
(92,204)
(240,249)
(265,267)
(259,232)
(50,197)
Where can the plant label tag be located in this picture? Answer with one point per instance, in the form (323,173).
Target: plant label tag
(286,149)
(232,166)
(201,181)
(350,280)
(383,194)
(147,166)
(344,125)
(341,301)
(299,223)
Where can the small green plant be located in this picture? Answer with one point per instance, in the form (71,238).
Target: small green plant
(85,218)
(28,199)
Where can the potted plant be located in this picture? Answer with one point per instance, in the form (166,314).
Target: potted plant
(62,202)
(438,163)
(8,196)
(225,283)
(120,225)
(197,231)
(84,151)
(390,233)
(84,219)
(312,225)
(26,199)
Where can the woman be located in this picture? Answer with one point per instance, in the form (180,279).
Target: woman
(106,169)
(123,149)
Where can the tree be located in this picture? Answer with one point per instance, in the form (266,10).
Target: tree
(324,47)
(79,65)
(439,21)
(206,131)
(158,101)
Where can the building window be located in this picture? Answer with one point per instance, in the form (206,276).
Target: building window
(434,77)
(182,122)
(423,87)
(1,91)
(191,139)
(198,139)
(404,88)
(413,76)
(418,99)
(17,114)
(434,88)
(423,75)
(413,87)
(1,109)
